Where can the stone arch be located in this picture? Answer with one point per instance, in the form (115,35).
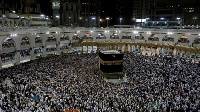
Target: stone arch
(38,39)
(7,55)
(126,36)
(114,36)
(37,50)
(183,39)
(25,52)
(197,40)
(76,37)
(25,40)
(87,36)
(153,37)
(51,38)
(168,38)
(64,46)
(139,37)
(100,36)
(8,42)
(64,37)
(51,48)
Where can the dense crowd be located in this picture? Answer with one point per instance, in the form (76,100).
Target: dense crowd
(62,83)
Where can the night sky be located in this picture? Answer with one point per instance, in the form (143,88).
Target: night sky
(45,7)
(116,9)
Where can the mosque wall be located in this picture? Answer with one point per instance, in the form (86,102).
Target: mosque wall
(31,34)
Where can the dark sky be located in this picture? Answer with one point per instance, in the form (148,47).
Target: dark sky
(116,9)
(45,6)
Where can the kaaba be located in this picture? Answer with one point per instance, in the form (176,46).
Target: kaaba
(111,64)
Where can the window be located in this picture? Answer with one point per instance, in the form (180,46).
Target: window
(67,7)
(71,7)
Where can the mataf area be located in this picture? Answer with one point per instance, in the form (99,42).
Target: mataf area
(73,83)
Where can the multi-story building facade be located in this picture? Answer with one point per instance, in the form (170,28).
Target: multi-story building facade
(20,14)
(84,13)
(167,12)
(69,13)
(141,8)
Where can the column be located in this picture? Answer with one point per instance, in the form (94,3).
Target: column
(174,52)
(195,57)
(117,48)
(32,53)
(125,48)
(156,51)
(108,47)
(151,50)
(97,49)
(190,55)
(44,51)
(92,50)
(131,48)
(87,50)
(13,23)
(137,48)
(162,51)
(58,49)
(0,63)
(18,57)
(185,56)
(3,22)
(181,53)
(82,50)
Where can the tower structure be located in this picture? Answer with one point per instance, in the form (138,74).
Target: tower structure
(56,12)
(82,13)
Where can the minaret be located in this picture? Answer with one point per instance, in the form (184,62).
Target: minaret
(56,12)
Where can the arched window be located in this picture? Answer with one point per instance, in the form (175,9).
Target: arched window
(64,37)
(25,40)
(76,37)
(8,42)
(153,37)
(114,36)
(139,37)
(197,40)
(183,39)
(168,38)
(51,38)
(38,39)
(100,36)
